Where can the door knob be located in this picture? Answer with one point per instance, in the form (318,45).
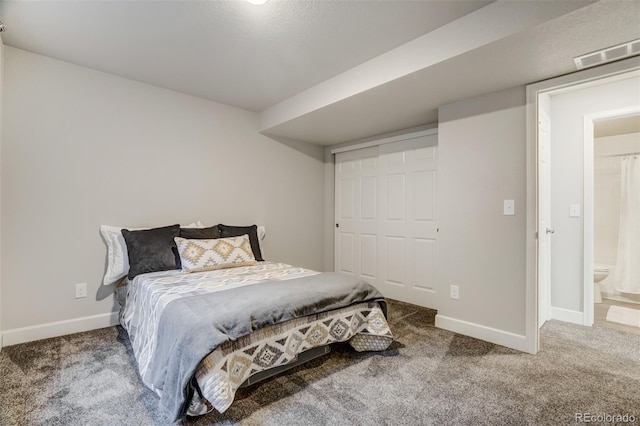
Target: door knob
(337,225)
(550,231)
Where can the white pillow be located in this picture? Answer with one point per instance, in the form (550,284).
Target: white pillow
(117,254)
(261,234)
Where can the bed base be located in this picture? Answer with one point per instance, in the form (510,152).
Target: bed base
(303,357)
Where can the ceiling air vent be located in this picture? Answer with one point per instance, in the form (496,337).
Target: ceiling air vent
(609,54)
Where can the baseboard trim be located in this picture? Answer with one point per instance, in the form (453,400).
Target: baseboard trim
(488,334)
(567,315)
(59,328)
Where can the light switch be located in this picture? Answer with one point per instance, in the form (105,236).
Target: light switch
(509,207)
(574,210)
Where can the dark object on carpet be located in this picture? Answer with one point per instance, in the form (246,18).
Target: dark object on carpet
(427,376)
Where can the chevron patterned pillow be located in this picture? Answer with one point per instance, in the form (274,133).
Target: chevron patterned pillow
(207,255)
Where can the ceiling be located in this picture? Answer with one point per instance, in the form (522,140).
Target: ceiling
(231,52)
(324,72)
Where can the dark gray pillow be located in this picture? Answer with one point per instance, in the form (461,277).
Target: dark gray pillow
(151,250)
(210,233)
(236,231)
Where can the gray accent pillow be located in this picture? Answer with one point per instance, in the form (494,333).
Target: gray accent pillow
(151,250)
(236,231)
(210,233)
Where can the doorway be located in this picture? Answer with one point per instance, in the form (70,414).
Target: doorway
(564,293)
(566,235)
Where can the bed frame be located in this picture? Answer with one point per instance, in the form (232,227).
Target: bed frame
(303,357)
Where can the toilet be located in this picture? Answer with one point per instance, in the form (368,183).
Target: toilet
(600,272)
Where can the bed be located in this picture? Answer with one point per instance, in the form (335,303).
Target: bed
(198,334)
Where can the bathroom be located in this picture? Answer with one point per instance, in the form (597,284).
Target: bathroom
(616,252)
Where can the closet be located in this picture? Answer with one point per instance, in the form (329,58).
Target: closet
(385,224)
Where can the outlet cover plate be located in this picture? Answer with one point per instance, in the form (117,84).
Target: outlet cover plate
(454,291)
(81,290)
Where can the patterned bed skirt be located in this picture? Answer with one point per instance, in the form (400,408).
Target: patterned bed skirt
(221,373)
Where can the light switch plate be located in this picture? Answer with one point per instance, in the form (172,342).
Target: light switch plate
(509,207)
(574,210)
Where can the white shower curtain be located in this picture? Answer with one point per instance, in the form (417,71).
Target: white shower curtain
(627,276)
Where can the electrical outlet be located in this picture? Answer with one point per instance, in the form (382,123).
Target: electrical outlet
(454,291)
(81,290)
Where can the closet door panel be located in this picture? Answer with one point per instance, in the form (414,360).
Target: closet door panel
(386,216)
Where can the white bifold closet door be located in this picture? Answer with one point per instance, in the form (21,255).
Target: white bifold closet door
(385,217)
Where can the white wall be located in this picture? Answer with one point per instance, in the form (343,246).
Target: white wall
(329,210)
(83,148)
(481,150)
(567,169)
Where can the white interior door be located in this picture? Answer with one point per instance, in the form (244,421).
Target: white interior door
(544,223)
(356,213)
(385,218)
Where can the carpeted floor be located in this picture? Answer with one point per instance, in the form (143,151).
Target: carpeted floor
(428,376)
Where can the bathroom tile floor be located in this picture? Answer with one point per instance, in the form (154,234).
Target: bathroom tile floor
(600,315)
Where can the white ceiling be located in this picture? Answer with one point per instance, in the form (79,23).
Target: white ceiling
(324,71)
(231,52)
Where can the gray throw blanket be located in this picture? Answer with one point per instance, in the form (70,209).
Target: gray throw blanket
(192,327)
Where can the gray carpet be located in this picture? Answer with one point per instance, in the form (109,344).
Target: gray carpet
(428,376)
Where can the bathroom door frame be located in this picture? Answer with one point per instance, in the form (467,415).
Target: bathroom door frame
(589,207)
